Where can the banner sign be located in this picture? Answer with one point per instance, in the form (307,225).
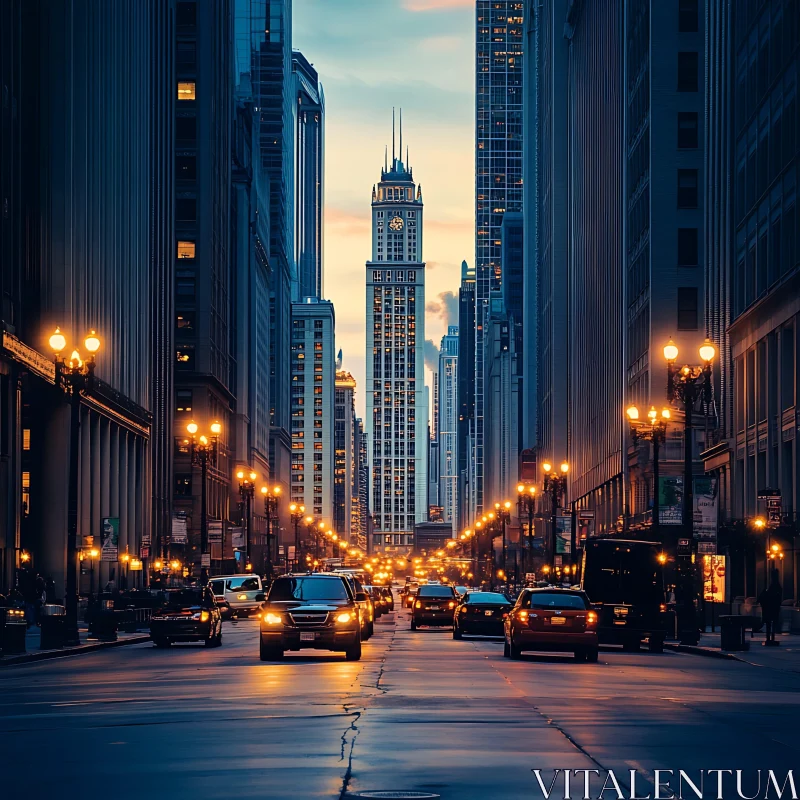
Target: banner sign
(237,536)
(109,539)
(714,579)
(705,508)
(205,560)
(135,565)
(144,551)
(179,534)
(564,533)
(214,532)
(670,499)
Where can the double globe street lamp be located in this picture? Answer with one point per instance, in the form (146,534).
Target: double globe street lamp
(74,377)
(247,490)
(271,497)
(555,485)
(526,498)
(654,430)
(296,514)
(503,515)
(204,452)
(687,385)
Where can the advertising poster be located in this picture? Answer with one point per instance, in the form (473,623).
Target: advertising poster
(705,508)
(237,536)
(564,534)
(670,499)
(179,535)
(714,579)
(215,532)
(109,538)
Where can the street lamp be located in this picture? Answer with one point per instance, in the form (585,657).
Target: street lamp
(503,514)
(555,485)
(653,430)
(686,385)
(204,451)
(526,497)
(271,497)
(75,378)
(296,514)
(247,489)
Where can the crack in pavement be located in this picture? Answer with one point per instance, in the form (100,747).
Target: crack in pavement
(353,727)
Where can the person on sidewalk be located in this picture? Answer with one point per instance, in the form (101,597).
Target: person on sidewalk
(770,602)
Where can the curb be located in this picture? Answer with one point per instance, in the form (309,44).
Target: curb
(703,651)
(27,658)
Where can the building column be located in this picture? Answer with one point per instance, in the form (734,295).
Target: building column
(122,508)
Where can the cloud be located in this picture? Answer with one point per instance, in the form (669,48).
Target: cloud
(436,5)
(345,222)
(431,355)
(445,307)
(440,44)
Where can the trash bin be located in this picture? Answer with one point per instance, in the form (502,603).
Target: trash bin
(53,626)
(13,629)
(103,624)
(732,632)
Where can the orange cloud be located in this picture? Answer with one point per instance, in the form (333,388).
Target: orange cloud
(345,222)
(436,5)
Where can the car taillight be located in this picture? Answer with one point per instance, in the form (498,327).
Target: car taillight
(591,618)
(418,604)
(523,616)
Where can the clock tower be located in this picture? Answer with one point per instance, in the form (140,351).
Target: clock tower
(397,411)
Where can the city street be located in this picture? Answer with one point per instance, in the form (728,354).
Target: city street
(418,712)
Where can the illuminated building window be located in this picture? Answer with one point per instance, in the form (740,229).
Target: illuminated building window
(186,90)
(186,249)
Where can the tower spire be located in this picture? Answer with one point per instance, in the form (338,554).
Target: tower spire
(401,133)
(393,126)
(386,158)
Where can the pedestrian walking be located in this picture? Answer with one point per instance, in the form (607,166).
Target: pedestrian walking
(770,602)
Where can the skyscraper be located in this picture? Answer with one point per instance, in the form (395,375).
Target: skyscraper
(345,475)
(312,391)
(397,416)
(466,390)
(447,434)
(498,170)
(309,172)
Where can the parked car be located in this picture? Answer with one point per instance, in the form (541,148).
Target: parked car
(244,593)
(552,619)
(481,613)
(388,597)
(310,610)
(434,605)
(411,595)
(378,600)
(364,602)
(186,615)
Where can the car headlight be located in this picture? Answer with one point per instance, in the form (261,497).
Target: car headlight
(201,616)
(241,597)
(419,604)
(344,617)
(272,619)
(451,604)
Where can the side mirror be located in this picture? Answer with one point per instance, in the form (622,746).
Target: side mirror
(361,597)
(261,597)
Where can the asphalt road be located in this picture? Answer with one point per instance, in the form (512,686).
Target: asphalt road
(418,712)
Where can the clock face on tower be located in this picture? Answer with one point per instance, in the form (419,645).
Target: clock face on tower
(396,224)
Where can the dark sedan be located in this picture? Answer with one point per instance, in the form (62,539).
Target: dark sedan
(434,605)
(481,613)
(186,615)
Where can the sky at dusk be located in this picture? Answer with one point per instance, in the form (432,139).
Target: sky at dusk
(372,55)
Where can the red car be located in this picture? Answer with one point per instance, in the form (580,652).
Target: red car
(552,620)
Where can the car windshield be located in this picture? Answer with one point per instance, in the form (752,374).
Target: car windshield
(487,597)
(432,590)
(218,587)
(247,583)
(183,599)
(556,600)
(310,588)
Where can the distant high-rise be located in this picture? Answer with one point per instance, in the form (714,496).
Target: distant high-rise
(312,392)
(345,456)
(364,528)
(498,171)
(309,172)
(397,415)
(466,390)
(447,433)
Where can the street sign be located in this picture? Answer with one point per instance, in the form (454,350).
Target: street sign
(768,494)
(684,547)
(237,536)
(135,565)
(214,531)
(281,550)
(179,532)
(205,560)
(586,515)
(706,548)
(291,552)
(774,512)
(144,551)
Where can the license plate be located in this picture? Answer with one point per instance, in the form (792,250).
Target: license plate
(488,613)
(433,608)
(558,621)
(307,637)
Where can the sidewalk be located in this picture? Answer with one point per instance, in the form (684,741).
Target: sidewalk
(786,657)
(34,653)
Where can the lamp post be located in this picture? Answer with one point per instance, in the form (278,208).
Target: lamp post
(204,451)
(686,385)
(655,431)
(74,377)
(296,513)
(271,497)
(526,497)
(555,485)
(310,534)
(503,514)
(247,488)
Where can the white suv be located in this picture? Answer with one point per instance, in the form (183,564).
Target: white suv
(244,593)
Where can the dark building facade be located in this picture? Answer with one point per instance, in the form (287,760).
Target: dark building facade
(465,389)
(81,253)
